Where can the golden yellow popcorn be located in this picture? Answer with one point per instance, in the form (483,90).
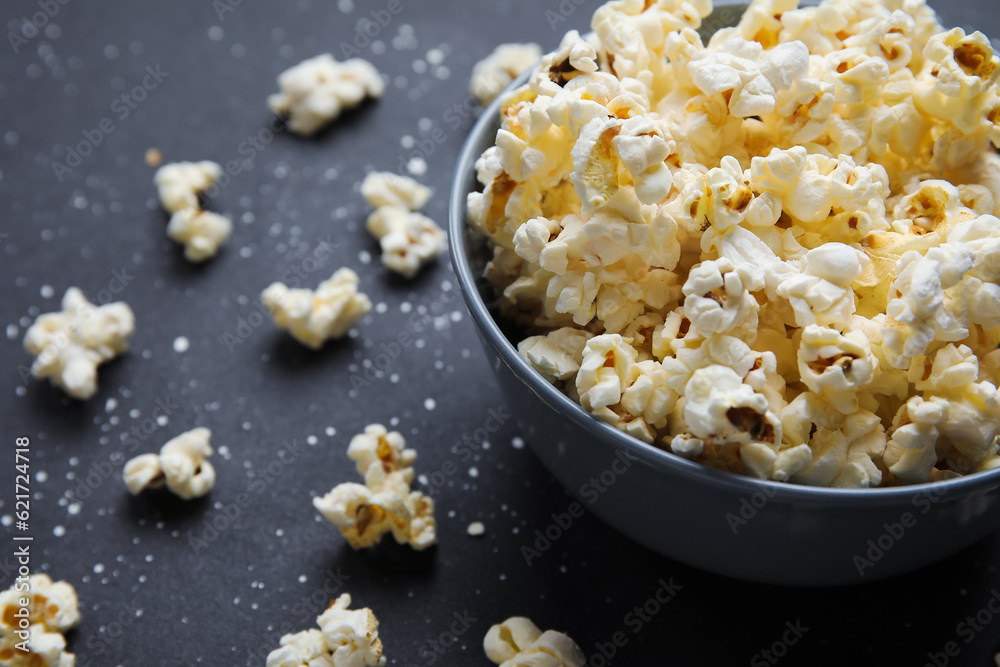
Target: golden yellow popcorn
(755,252)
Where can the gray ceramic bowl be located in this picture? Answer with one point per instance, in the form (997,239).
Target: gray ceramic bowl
(727,524)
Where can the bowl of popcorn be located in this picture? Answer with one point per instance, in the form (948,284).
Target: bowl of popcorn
(738,275)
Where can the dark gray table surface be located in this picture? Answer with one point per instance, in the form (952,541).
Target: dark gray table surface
(281,415)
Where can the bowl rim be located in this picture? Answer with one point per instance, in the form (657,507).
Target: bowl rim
(463,177)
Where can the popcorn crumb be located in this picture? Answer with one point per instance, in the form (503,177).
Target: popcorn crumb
(384,503)
(71,344)
(313,317)
(201,232)
(517,642)
(182,183)
(409,240)
(153,157)
(475,529)
(495,72)
(316,91)
(182,465)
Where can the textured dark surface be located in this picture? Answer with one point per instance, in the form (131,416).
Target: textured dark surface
(152,596)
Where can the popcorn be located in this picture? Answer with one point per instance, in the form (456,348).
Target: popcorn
(182,466)
(754,252)
(316,91)
(53,609)
(71,344)
(517,642)
(409,240)
(313,317)
(836,365)
(201,232)
(365,513)
(346,638)
(384,188)
(181,183)
(556,355)
(496,71)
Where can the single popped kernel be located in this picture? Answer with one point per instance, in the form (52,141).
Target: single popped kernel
(71,344)
(316,91)
(517,642)
(182,466)
(313,317)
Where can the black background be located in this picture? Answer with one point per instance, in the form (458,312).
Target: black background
(148,596)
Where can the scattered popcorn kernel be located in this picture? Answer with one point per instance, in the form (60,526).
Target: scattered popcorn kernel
(384,188)
(201,232)
(409,240)
(182,183)
(313,317)
(316,91)
(760,252)
(495,72)
(346,638)
(476,529)
(182,466)
(71,344)
(517,642)
(364,513)
(52,609)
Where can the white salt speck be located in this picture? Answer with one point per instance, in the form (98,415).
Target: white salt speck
(12,331)
(473,472)
(110,405)
(435,56)
(181,344)
(246,426)
(302,578)
(149,558)
(365,257)
(73,509)
(419,66)
(134,413)
(162,420)
(417,166)
(407,141)
(331,431)
(346,6)
(59,531)
(215,33)
(6,520)
(41,476)
(476,528)
(279,532)
(430,403)
(312,440)
(47,291)
(99,568)
(518,443)
(381,307)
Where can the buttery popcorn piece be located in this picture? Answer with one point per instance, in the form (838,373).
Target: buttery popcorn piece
(409,240)
(71,344)
(517,642)
(384,503)
(760,252)
(182,183)
(313,317)
(384,188)
(52,609)
(316,91)
(346,638)
(495,72)
(201,232)
(182,466)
